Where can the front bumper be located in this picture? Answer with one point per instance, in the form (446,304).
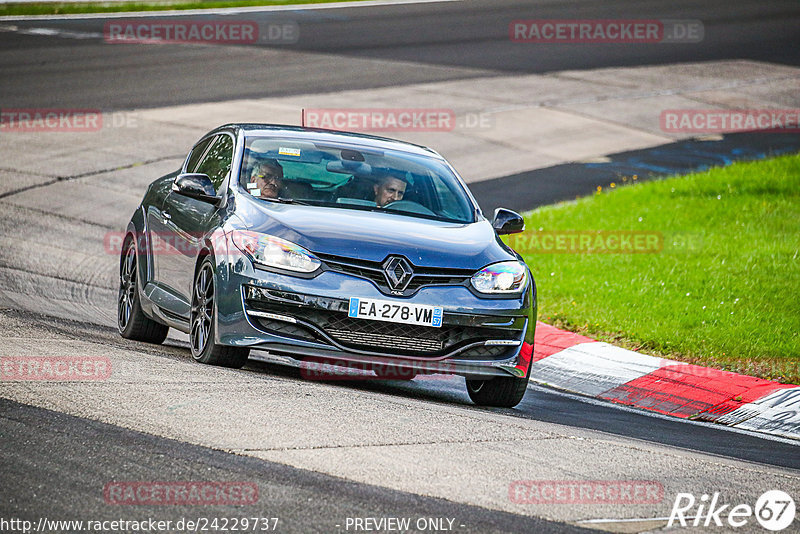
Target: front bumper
(296,319)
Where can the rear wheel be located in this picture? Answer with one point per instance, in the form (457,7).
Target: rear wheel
(201,336)
(132,323)
(500,391)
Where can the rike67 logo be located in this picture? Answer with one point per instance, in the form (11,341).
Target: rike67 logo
(774,510)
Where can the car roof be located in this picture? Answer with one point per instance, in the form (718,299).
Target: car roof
(330,136)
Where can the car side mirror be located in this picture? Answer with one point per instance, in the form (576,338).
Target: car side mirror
(197,186)
(507,222)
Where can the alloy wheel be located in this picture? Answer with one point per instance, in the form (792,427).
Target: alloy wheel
(202,310)
(127,288)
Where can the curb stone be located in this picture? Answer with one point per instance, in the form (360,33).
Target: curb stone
(582,365)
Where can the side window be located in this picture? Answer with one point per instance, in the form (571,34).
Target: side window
(217,161)
(196,154)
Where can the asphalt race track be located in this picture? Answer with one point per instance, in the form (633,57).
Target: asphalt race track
(319,453)
(369,47)
(104,446)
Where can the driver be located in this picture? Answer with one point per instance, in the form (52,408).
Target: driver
(267,176)
(389,189)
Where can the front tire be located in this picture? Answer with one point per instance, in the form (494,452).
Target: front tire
(132,323)
(500,392)
(201,336)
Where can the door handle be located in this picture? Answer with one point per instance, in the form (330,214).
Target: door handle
(167,216)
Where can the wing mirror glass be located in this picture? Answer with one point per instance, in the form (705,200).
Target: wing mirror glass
(197,186)
(507,222)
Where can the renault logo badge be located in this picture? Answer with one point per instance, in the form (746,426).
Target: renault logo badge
(398,272)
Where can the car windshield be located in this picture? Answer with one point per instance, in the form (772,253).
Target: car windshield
(348,177)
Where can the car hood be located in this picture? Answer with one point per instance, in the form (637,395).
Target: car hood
(371,235)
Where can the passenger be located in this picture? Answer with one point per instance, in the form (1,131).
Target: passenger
(389,189)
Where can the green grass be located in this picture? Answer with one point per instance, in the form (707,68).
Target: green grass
(63,8)
(723,292)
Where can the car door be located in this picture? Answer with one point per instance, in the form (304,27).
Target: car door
(187,221)
(157,224)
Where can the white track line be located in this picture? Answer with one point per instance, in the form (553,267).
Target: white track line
(632,520)
(225,11)
(67,34)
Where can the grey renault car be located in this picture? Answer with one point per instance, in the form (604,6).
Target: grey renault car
(323,246)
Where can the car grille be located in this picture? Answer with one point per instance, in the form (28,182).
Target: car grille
(411,344)
(380,336)
(283,328)
(487,353)
(373,271)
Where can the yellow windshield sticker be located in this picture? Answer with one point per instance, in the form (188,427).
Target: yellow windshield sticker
(283,151)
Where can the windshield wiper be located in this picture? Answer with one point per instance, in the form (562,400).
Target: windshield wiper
(288,201)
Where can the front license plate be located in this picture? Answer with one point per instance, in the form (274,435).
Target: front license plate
(393,312)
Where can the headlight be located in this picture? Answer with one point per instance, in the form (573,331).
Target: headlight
(275,252)
(504,277)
